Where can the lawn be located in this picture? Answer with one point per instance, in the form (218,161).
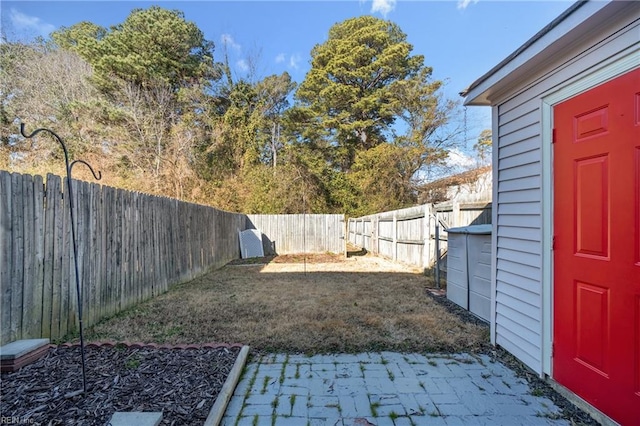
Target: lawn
(324,304)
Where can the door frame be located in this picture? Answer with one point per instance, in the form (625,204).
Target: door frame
(621,63)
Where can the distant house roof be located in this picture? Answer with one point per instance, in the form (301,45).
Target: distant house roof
(457,179)
(577,22)
(437,190)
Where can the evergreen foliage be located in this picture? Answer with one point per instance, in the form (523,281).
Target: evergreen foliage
(147,104)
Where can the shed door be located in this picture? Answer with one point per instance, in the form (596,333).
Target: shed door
(596,326)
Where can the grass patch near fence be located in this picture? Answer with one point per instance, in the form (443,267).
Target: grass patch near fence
(349,306)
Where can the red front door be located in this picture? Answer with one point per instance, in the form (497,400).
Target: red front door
(596,297)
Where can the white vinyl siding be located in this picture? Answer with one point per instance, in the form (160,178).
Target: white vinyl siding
(508,335)
(519,195)
(523,220)
(527,258)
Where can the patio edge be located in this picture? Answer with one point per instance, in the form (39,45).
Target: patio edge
(220,405)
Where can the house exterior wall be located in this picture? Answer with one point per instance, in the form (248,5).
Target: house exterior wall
(477,191)
(472,186)
(521,199)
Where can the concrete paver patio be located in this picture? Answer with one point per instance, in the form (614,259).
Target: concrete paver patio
(385,388)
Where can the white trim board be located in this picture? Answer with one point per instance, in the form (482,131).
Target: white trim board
(615,66)
(494,220)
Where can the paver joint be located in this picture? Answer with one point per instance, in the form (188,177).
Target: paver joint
(384,388)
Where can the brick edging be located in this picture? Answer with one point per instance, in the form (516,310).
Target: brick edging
(142,345)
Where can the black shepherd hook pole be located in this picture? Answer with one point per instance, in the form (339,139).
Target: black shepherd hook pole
(98,176)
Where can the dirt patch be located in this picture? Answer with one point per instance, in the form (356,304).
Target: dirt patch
(291,258)
(346,305)
(181,383)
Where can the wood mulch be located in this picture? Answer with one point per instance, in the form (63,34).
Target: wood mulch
(181,382)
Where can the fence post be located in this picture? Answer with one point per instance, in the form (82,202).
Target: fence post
(378,234)
(355,232)
(375,247)
(395,236)
(457,218)
(352,231)
(437,254)
(426,234)
(345,227)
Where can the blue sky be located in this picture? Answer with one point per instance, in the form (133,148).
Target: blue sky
(461,40)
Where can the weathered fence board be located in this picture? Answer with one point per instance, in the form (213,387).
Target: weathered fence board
(408,235)
(17,270)
(301,233)
(28,292)
(67,294)
(131,247)
(38,274)
(6,245)
(55,201)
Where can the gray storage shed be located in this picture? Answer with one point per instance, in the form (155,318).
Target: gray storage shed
(469,268)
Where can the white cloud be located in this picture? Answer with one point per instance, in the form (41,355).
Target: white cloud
(294,61)
(242,65)
(458,159)
(384,6)
(22,22)
(462,4)
(280,58)
(228,41)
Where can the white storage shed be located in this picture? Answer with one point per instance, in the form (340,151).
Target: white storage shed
(566,196)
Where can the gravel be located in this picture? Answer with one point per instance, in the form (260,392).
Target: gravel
(181,383)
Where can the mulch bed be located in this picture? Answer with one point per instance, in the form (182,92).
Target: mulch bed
(182,383)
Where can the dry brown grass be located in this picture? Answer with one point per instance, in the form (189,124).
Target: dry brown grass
(358,304)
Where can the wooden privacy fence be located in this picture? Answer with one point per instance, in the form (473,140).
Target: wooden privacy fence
(131,247)
(301,233)
(409,235)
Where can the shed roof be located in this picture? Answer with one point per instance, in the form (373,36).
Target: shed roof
(563,32)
